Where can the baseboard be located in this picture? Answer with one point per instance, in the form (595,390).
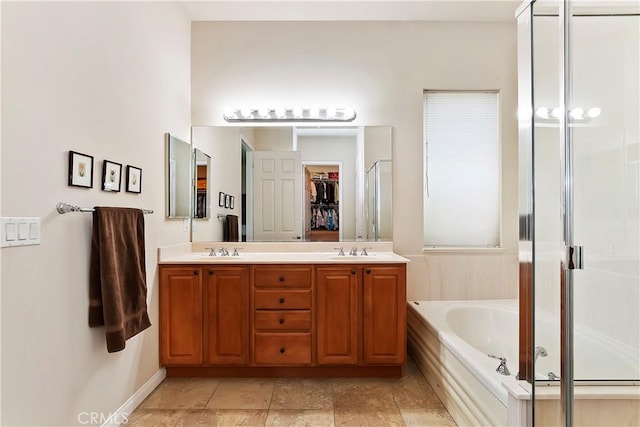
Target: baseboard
(124,412)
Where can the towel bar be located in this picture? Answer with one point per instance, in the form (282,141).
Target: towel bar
(65,208)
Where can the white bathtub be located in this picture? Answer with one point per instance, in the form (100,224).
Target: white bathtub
(451,340)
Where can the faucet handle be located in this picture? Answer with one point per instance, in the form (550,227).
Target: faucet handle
(340,251)
(235,252)
(364,250)
(212,251)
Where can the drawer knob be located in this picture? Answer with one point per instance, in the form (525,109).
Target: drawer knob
(281,278)
(210,272)
(281,300)
(368,271)
(281,321)
(196,272)
(282,350)
(353,271)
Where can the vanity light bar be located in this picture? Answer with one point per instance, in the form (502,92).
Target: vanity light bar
(577,114)
(281,114)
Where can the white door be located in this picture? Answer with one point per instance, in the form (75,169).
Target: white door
(277,209)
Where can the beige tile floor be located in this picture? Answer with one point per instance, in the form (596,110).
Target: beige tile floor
(317,402)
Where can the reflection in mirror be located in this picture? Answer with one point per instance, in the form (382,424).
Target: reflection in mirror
(178,173)
(202,197)
(298,183)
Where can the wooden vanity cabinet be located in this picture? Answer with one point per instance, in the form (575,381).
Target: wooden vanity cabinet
(226,315)
(181,316)
(282,317)
(338,289)
(302,320)
(384,314)
(361,314)
(204,316)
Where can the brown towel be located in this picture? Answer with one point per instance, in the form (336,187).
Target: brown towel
(117,275)
(230,231)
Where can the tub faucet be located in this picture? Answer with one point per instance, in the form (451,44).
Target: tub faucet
(540,351)
(502,367)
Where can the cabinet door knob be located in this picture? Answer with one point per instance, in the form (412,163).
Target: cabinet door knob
(281,278)
(368,271)
(196,272)
(353,271)
(282,350)
(210,272)
(281,300)
(281,321)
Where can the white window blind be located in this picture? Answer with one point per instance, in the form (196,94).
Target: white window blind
(461,169)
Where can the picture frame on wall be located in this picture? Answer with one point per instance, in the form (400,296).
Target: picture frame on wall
(227,200)
(134,179)
(221,199)
(232,202)
(80,170)
(111,176)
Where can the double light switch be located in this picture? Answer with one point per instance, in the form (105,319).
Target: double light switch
(20,231)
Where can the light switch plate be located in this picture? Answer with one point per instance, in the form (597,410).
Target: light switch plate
(20,231)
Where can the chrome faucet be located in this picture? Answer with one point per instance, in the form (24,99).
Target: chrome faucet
(224,252)
(502,367)
(340,251)
(364,250)
(235,252)
(539,351)
(353,251)
(212,251)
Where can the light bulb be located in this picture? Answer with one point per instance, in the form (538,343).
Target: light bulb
(576,113)
(542,112)
(349,114)
(245,112)
(556,112)
(228,112)
(594,112)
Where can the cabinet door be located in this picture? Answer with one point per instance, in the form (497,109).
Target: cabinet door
(181,316)
(227,315)
(337,315)
(385,305)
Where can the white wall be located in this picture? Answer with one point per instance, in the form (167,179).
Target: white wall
(107,79)
(380,69)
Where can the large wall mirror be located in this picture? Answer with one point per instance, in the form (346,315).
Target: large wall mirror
(178,177)
(284,183)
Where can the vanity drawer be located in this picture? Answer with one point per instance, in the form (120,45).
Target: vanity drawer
(282,349)
(283,320)
(282,277)
(282,299)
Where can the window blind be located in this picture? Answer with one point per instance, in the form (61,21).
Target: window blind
(461,169)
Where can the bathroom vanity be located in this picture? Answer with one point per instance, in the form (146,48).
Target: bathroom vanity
(283,314)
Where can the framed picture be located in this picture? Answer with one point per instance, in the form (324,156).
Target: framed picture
(232,202)
(80,170)
(221,198)
(111,176)
(134,179)
(227,200)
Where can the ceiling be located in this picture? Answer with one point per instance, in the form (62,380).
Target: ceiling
(352,10)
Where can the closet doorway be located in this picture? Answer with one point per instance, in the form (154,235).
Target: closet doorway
(322,196)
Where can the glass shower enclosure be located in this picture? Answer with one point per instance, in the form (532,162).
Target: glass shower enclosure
(579,149)
(378,196)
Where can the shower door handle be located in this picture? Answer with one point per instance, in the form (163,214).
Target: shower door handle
(574,258)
